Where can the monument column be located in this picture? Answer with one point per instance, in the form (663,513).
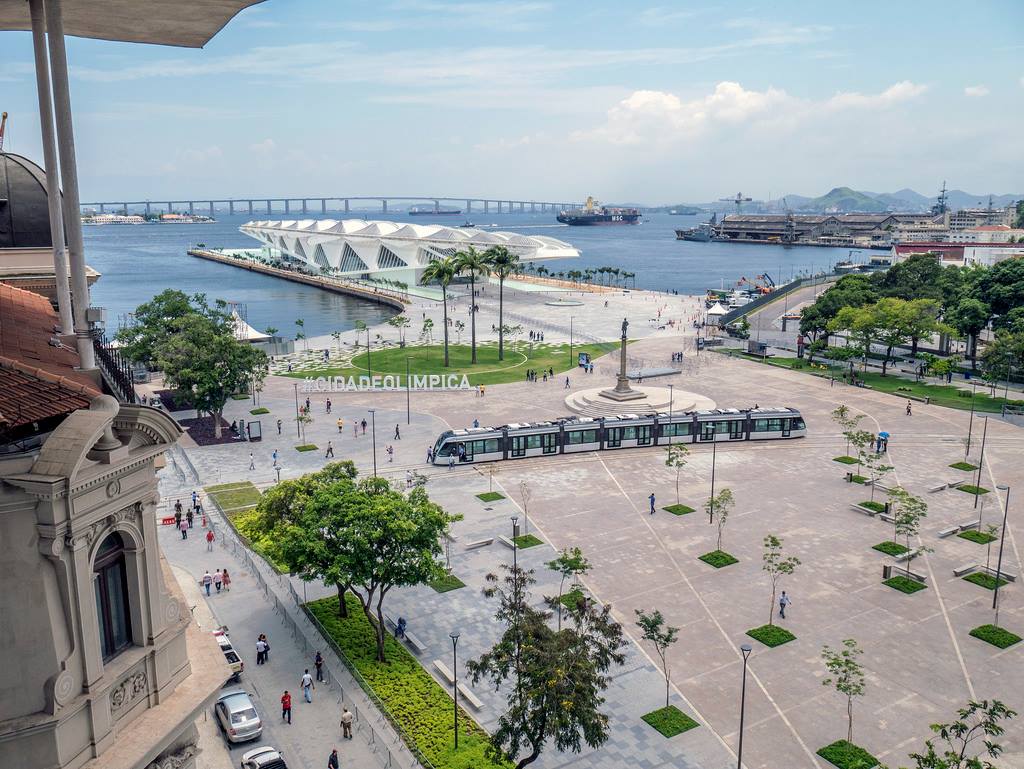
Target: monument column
(622,391)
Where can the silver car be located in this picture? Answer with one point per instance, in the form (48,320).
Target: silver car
(237,716)
(264,757)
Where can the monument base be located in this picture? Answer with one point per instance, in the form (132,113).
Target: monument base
(596,403)
(617,395)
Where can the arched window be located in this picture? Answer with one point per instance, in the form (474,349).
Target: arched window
(112,608)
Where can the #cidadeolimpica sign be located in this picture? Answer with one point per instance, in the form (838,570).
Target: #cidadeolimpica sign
(364,383)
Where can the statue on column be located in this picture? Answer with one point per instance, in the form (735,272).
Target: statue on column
(625,325)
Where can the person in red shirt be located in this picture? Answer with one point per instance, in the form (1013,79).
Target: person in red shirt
(209,539)
(286,707)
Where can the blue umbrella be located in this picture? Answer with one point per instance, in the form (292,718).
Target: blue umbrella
(883,434)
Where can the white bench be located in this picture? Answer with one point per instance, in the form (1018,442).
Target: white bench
(864,510)
(887,517)
(468,696)
(507,542)
(906,556)
(444,670)
(949,532)
(955,484)
(961,571)
(940,487)
(1003,574)
(417,645)
(967,525)
(479,543)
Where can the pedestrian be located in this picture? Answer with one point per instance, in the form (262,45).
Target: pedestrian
(476,423)
(483,391)
(307,685)
(909,412)
(355,429)
(885,445)
(190,516)
(307,404)
(209,540)
(328,405)
(341,425)
(286,707)
(330,451)
(332,760)
(398,435)
(363,425)
(652,502)
(177,515)
(430,455)
(567,383)
(207,581)
(390,451)
(400,628)
(183,528)
(227,580)
(195,497)
(408,479)
(252,461)
(274,455)
(218,580)
(346,724)
(318,663)
(278,426)
(451,461)
(551,371)
(784,601)
(261,651)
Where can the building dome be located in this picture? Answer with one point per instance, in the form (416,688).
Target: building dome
(24,216)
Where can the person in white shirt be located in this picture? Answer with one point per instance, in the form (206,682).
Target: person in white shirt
(307,685)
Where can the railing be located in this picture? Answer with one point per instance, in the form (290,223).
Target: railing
(115,369)
(778,293)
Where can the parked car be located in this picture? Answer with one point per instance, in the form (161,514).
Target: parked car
(234,661)
(264,757)
(237,716)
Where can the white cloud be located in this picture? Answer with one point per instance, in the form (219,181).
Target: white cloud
(976,90)
(898,92)
(660,15)
(265,147)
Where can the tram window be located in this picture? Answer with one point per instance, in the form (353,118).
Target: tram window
(774,425)
(723,427)
(629,433)
(680,428)
(581,436)
(798,423)
(760,426)
(550,442)
(614,437)
(533,441)
(644,435)
(518,445)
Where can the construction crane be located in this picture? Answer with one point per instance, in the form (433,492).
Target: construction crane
(789,233)
(739,200)
(3,125)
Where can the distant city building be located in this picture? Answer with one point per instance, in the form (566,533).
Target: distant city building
(987,233)
(966,218)
(961,254)
(821,229)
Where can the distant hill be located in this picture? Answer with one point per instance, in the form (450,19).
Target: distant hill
(961,199)
(842,200)
(848,200)
(903,200)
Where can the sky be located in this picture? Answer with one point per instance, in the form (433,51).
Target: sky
(629,102)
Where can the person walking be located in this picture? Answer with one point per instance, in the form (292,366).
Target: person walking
(183,528)
(207,581)
(430,455)
(451,461)
(261,651)
(306,682)
(190,515)
(195,497)
(252,461)
(909,412)
(318,663)
(346,724)
(390,450)
(227,580)
(177,515)
(218,580)
(286,707)
(332,760)
(362,424)
(330,451)
(408,479)
(328,405)
(567,383)
(307,405)
(398,434)
(209,540)
(341,425)
(274,456)
(784,601)
(278,426)
(652,502)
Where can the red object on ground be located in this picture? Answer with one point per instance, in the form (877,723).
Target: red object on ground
(168,521)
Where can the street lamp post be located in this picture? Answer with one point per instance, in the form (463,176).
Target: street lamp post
(298,434)
(455,682)
(671,427)
(373,438)
(746,649)
(1002,539)
(570,341)
(369,373)
(408,402)
(714,456)
(981,463)
(970,424)
(515,548)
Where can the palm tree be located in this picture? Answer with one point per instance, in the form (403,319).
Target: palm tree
(473,263)
(503,263)
(441,271)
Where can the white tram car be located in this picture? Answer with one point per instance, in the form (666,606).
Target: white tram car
(569,435)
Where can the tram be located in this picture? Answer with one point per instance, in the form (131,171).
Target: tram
(570,435)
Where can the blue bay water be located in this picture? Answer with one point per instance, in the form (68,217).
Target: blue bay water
(137,262)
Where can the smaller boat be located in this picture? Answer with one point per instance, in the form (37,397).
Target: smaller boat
(702,233)
(467,223)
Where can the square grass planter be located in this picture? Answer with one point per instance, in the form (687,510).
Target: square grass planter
(878,507)
(969,489)
(677,510)
(846,460)
(306,447)
(890,548)
(846,755)
(997,636)
(524,541)
(446,583)
(859,479)
(771,635)
(670,721)
(719,559)
(490,496)
(240,397)
(965,466)
(904,584)
(984,580)
(981,537)
(260,410)
(570,599)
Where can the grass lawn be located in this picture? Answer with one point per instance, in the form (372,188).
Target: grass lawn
(306,447)
(859,478)
(260,410)
(415,701)
(771,635)
(570,599)
(238,502)
(446,583)
(234,496)
(965,466)
(490,496)
(846,460)
(240,397)
(846,755)
(678,509)
(718,559)
(670,721)
(996,636)
(981,537)
(878,507)
(973,489)
(890,548)
(985,580)
(524,541)
(904,584)
(488,369)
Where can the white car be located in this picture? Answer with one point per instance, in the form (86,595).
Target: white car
(264,757)
(234,661)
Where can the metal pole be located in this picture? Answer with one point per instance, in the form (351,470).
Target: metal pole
(408,406)
(970,424)
(297,433)
(570,341)
(671,427)
(515,548)
(981,463)
(455,683)
(373,430)
(999,560)
(746,649)
(69,177)
(714,455)
(368,372)
(60,257)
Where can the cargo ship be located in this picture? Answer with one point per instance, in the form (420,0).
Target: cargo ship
(434,211)
(593,213)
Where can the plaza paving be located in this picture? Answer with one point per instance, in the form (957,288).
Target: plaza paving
(922,664)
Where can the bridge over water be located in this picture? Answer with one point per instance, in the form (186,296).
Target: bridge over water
(305,205)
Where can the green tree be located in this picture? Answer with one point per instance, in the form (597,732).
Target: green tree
(846,420)
(569,563)
(300,324)
(877,468)
(1001,287)
(471,262)
(845,675)
(661,635)
(399,323)
(460,326)
(861,439)
(559,677)
(428,329)
(303,420)
(918,277)
(204,360)
(849,291)
(776,566)
(675,457)
(921,321)
(861,324)
(160,318)
(979,721)
(970,317)
(718,508)
(441,271)
(907,512)
(503,263)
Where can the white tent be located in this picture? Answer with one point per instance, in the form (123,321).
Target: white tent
(715,312)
